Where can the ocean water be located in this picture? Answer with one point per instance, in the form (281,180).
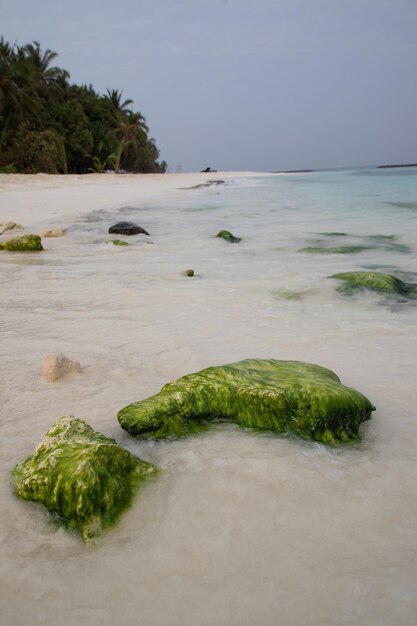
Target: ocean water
(241,528)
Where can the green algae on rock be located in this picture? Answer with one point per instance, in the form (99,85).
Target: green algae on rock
(227,236)
(81,476)
(117,242)
(25,243)
(281,396)
(375,281)
(337,250)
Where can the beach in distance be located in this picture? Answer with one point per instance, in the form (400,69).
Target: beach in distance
(241,527)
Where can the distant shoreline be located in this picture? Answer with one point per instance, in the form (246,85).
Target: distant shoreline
(381,167)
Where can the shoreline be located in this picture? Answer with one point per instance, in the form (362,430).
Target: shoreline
(31,199)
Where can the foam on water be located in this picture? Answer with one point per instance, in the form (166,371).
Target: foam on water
(242,528)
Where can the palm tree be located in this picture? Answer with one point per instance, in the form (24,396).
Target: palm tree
(120,107)
(41,64)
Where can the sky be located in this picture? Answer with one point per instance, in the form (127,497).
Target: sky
(260,85)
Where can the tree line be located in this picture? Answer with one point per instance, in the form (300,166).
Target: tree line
(49,125)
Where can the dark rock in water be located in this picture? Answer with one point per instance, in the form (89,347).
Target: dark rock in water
(281,396)
(84,478)
(25,243)
(189,273)
(227,236)
(127,228)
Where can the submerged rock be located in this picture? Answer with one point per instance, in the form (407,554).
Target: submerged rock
(25,243)
(5,226)
(53,232)
(337,250)
(82,477)
(227,236)
(58,365)
(189,273)
(375,281)
(281,396)
(117,242)
(127,228)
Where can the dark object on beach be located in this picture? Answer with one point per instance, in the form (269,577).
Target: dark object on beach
(207,170)
(281,396)
(227,236)
(25,243)
(189,273)
(127,228)
(85,479)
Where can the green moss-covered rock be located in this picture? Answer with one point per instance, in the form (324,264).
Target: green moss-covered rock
(375,281)
(117,242)
(281,396)
(227,236)
(81,476)
(337,250)
(25,243)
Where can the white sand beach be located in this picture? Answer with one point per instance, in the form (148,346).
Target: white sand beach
(241,529)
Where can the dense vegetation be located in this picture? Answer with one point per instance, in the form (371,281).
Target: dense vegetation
(49,125)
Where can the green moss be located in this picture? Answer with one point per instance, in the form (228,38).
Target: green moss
(117,242)
(227,236)
(81,476)
(288,294)
(25,243)
(281,396)
(338,250)
(375,281)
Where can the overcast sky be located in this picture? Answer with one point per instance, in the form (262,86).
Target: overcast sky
(245,84)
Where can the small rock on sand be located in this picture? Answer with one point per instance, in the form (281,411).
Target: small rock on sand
(4,226)
(52,232)
(58,365)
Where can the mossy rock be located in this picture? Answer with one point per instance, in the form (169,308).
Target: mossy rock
(25,243)
(337,250)
(82,477)
(280,396)
(117,242)
(227,236)
(375,281)
(288,294)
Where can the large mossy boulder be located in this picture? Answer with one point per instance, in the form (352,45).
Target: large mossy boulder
(227,236)
(85,479)
(25,243)
(375,281)
(281,396)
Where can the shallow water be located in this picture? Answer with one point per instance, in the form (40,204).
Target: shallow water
(241,528)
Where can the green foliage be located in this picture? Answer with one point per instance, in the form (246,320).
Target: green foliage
(82,477)
(49,125)
(281,396)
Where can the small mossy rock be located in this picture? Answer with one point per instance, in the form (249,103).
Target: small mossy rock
(117,242)
(281,396)
(127,228)
(227,236)
(337,250)
(82,477)
(7,226)
(375,281)
(25,243)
